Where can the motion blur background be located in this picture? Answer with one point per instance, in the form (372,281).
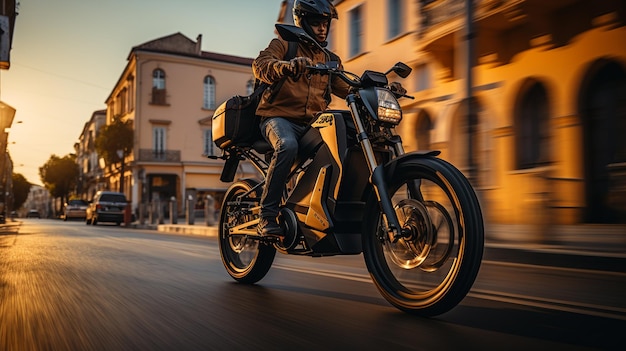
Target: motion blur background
(526,97)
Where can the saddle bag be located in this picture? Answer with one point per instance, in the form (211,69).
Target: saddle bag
(235,122)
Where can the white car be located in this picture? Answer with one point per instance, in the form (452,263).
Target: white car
(75,209)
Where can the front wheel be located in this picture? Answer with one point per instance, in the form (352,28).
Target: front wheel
(246,259)
(433,266)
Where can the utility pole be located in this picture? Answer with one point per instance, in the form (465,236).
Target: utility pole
(470,101)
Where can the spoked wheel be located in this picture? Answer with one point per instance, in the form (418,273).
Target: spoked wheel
(433,266)
(246,259)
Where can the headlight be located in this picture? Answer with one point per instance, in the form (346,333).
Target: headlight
(389,110)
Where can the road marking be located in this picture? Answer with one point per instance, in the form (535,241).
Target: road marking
(562,269)
(531,301)
(551,304)
(326,273)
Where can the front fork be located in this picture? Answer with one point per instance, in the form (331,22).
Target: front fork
(377,178)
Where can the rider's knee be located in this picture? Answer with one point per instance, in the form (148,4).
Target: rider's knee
(288,146)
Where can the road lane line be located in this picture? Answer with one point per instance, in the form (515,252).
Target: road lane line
(531,301)
(551,304)
(562,269)
(326,273)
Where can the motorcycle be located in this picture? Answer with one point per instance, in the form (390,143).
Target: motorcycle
(354,190)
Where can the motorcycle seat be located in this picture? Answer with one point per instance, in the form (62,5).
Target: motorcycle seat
(262,146)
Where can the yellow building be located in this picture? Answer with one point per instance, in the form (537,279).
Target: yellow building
(170,89)
(549,85)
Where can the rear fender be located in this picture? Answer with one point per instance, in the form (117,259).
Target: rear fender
(230,168)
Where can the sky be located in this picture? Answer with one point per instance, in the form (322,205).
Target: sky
(67,55)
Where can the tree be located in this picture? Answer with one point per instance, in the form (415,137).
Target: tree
(60,175)
(21,188)
(114,137)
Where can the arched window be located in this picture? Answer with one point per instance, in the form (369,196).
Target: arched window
(209,93)
(531,126)
(158,87)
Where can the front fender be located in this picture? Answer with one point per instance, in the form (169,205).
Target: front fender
(390,166)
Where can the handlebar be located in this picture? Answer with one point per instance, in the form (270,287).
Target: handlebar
(350,78)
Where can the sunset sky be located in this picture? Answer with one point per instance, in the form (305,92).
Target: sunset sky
(67,55)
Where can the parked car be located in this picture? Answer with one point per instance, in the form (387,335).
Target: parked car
(75,209)
(33,214)
(106,206)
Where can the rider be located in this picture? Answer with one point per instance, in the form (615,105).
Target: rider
(285,113)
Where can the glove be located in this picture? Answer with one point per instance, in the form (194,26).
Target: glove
(293,68)
(282,68)
(298,65)
(397,88)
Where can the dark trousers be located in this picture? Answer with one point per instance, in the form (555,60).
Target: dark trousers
(283,135)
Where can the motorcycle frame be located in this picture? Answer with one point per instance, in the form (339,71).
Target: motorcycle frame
(329,210)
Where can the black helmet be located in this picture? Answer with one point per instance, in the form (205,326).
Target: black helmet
(303,10)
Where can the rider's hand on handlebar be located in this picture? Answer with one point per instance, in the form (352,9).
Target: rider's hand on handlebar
(294,67)
(298,65)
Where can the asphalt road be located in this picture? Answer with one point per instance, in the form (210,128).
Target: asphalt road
(67,286)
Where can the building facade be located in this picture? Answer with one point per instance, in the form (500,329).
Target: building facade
(540,86)
(170,89)
(90,173)
(39,199)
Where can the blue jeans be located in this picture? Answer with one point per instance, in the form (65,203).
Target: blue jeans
(283,135)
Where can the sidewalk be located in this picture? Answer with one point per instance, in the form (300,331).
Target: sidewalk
(586,246)
(10,227)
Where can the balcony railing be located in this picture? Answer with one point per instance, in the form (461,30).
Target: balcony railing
(441,11)
(149,155)
(437,12)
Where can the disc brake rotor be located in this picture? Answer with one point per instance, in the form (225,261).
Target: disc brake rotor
(444,235)
(413,248)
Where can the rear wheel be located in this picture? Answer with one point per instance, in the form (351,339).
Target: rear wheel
(433,266)
(246,259)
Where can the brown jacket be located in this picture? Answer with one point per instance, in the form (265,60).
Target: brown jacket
(297,100)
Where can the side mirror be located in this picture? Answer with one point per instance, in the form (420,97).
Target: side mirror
(294,33)
(401,69)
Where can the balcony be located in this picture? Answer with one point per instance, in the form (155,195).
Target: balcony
(501,27)
(440,12)
(149,155)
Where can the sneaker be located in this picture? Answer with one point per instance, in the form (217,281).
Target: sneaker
(269,227)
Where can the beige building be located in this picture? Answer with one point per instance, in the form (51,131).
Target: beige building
(38,199)
(90,172)
(549,84)
(170,89)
